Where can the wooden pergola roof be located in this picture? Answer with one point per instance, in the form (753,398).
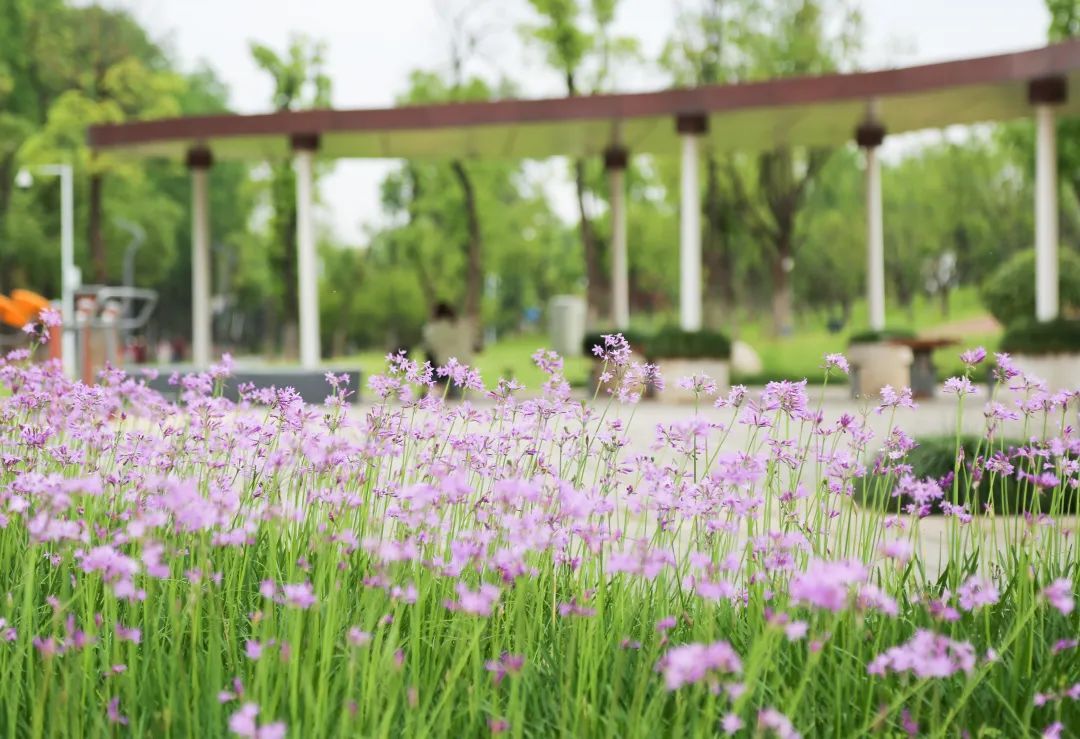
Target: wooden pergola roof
(822,110)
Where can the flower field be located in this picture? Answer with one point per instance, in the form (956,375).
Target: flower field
(504,565)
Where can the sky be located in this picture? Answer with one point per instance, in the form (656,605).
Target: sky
(372,45)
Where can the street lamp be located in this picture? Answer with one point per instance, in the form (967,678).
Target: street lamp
(70,277)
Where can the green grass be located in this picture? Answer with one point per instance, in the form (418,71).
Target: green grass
(509,358)
(791,357)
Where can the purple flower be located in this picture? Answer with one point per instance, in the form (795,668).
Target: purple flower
(926,655)
(972,357)
(1053,731)
(242,723)
(977,592)
(299,595)
(507,664)
(959,386)
(357,637)
(615,351)
(113,713)
(837,362)
(827,585)
(1059,593)
(691,663)
(781,725)
(731,723)
(476,602)
(890,398)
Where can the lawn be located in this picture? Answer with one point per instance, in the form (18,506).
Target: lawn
(791,357)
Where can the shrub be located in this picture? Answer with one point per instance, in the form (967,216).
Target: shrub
(873,336)
(1009,292)
(935,457)
(1061,336)
(674,343)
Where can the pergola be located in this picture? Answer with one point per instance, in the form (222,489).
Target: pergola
(806,111)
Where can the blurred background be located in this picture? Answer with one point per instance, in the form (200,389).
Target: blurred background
(783,245)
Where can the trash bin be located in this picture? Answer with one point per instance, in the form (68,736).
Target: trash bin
(566,324)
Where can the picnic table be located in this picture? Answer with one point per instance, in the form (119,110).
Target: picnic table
(923,372)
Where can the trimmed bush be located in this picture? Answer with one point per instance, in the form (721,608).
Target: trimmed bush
(871,336)
(1061,336)
(674,343)
(935,457)
(1009,292)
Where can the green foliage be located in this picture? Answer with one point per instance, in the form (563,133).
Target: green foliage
(935,458)
(1009,293)
(668,342)
(1028,336)
(672,342)
(872,336)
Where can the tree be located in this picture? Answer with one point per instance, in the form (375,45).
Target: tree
(580,45)
(759,39)
(67,68)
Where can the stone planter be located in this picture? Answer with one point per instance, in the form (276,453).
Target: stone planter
(672,370)
(875,365)
(1060,371)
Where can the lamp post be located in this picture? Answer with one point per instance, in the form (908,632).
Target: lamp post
(70,278)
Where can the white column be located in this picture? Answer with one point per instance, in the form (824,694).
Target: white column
(620,270)
(307,268)
(1046,215)
(690,237)
(69,276)
(875,241)
(200,267)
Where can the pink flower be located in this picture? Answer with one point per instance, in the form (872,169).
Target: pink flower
(780,724)
(692,662)
(731,723)
(971,357)
(507,664)
(113,713)
(299,595)
(959,386)
(242,723)
(977,592)
(795,630)
(125,634)
(666,624)
(898,549)
(837,362)
(358,638)
(1060,595)
(476,602)
(926,655)
(827,584)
